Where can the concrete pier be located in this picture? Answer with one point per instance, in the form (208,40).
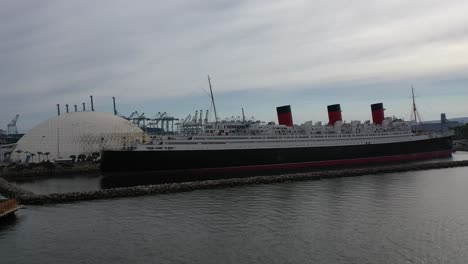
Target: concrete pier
(25,197)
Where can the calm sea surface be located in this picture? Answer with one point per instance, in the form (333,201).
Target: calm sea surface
(413,217)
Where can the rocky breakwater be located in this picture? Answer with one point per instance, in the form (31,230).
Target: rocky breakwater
(26,197)
(12,190)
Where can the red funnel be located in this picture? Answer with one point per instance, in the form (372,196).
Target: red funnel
(334,114)
(377,113)
(284,115)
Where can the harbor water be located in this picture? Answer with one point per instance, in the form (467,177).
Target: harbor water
(411,217)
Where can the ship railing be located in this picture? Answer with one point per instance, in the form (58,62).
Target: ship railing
(279,144)
(289,140)
(294,137)
(223,138)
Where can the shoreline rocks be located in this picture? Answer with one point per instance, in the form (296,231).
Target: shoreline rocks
(12,190)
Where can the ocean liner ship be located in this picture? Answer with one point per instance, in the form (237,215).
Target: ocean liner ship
(240,147)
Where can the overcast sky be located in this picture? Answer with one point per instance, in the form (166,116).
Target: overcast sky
(154,56)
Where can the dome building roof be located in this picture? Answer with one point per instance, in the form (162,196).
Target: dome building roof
(76,133)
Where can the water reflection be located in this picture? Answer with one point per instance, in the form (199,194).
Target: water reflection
(8,222)
(62,184)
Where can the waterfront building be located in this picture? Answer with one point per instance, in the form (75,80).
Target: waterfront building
(74,134)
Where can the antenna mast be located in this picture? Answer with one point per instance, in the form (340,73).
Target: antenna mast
(212,100)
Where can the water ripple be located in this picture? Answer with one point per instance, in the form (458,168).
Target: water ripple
(413,217)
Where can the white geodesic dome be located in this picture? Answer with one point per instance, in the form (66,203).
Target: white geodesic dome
(77,133)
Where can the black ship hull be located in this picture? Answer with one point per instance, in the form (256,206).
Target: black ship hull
(183,165)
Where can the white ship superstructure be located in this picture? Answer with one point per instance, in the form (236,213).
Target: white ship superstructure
(248,135)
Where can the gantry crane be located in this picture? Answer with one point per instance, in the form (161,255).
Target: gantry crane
(12,129)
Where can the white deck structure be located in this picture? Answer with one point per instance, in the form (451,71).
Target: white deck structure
(238,135)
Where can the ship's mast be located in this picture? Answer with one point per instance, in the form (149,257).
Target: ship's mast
(212,100)
(243,116)
(414,114)
(58,143)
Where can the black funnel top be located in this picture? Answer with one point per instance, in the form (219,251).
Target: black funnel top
(378,106)
(283,109)
(334,108)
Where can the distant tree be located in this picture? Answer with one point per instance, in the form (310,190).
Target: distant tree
(19,152)
(32,156)
(47,155)
(39,153)
(461,132)
(95,156)
(73,157)
(7,155)
(81,157)
(464,131)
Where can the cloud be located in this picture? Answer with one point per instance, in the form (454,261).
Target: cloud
(56,51)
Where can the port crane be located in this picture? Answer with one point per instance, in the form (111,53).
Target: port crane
(159,117)
(11,127)
(138,119)
(186,120)
(164,120)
